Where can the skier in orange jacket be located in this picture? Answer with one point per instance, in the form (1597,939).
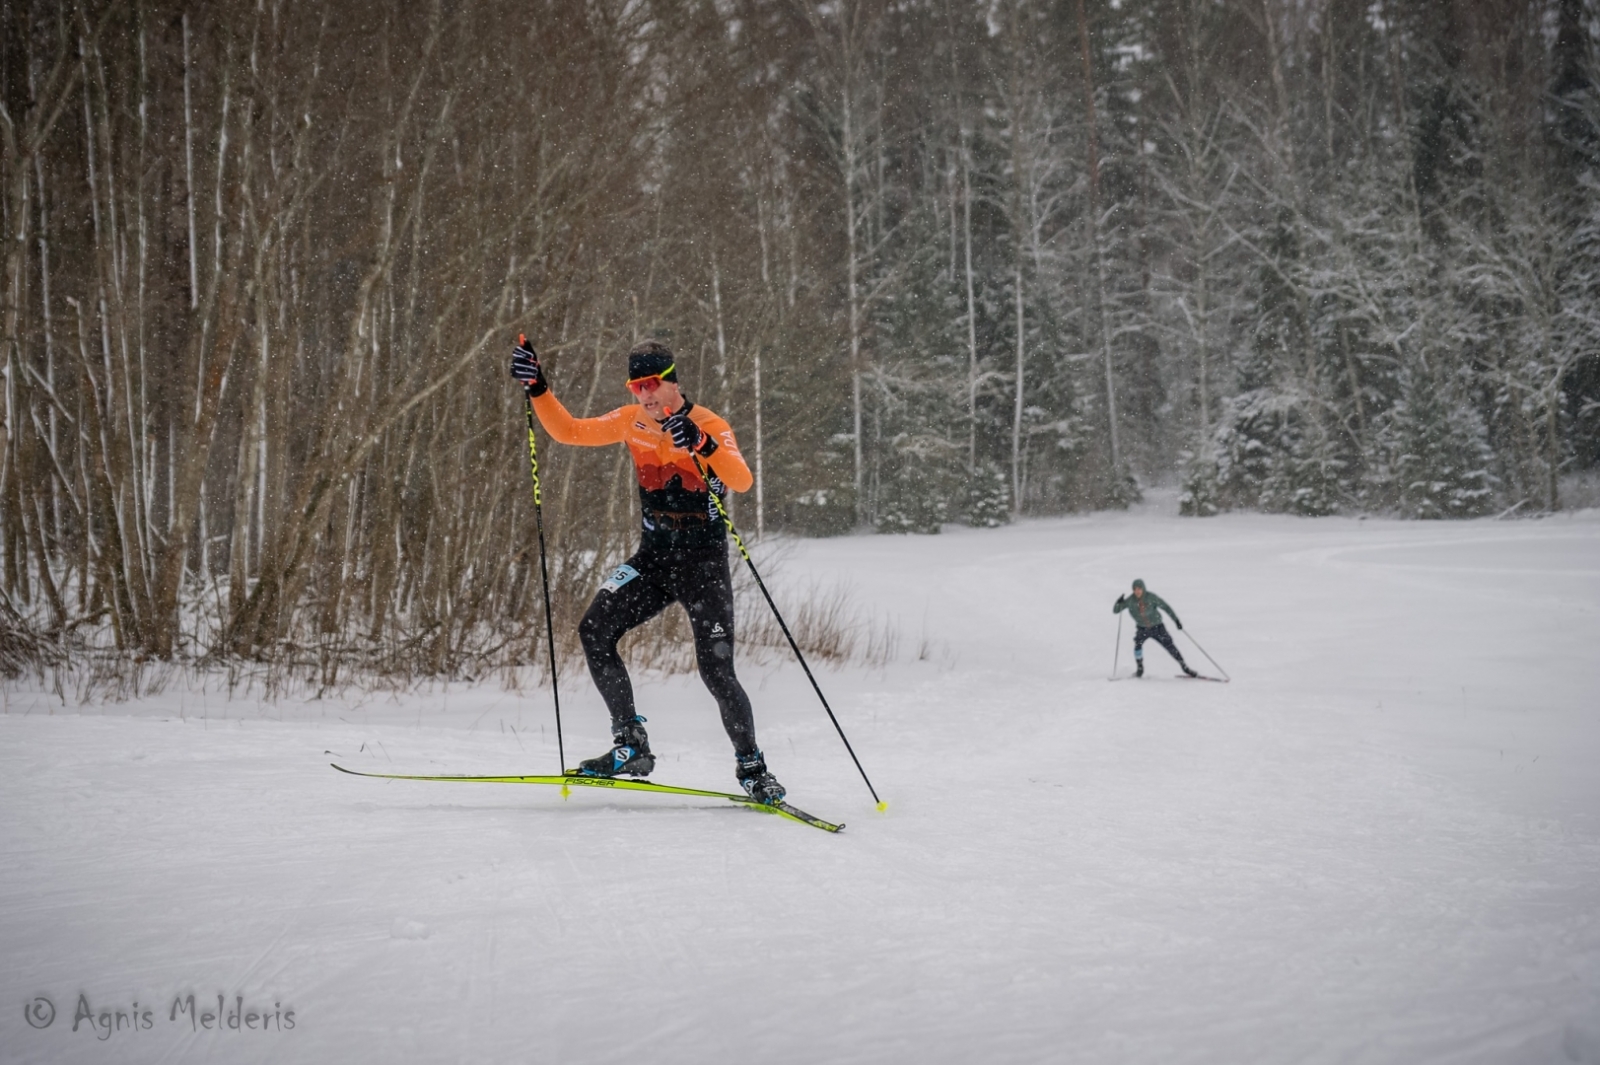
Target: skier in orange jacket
(682,556)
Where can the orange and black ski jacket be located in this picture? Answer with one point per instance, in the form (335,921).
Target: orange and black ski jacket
(675,503)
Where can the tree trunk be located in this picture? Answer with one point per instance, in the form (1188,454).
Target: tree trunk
(1094,237)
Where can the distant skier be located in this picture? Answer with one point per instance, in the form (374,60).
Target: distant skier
(1145,608)
(682,556)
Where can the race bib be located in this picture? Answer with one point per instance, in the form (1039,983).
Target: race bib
(621,576)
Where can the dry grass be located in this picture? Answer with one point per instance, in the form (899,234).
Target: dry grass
(23,647)
(830,626)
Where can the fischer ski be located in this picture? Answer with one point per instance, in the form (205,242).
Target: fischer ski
(782,809)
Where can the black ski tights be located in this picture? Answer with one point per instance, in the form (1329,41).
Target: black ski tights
(643,587)
(1160,635)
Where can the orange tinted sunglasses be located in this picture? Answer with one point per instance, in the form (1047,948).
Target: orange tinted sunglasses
(640,385)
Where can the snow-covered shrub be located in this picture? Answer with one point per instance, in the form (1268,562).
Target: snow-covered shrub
(820,512)
(918,485)
(1199,497)
(1308,476)
(1270,454)
(988,498)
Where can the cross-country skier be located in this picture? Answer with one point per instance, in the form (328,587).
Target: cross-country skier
(682,556)
(1145,608)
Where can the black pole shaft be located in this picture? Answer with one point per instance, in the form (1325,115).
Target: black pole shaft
(1213,661)
(739,541)
(1116,655)
(544,576)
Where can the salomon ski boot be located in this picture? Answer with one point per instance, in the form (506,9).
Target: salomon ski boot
(757,781)
(631,755)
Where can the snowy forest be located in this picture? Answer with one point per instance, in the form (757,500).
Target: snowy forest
(936,260)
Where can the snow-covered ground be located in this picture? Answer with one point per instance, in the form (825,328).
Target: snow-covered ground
(1380,843)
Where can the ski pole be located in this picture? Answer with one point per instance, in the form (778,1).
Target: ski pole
(1116,655)
(738,540)
(544,576)
(1213,661)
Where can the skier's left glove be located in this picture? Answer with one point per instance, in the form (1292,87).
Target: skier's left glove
(525,367)
(689,436)
(1178,623)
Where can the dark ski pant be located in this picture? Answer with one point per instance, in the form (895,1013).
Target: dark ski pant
(1160,635)
(643,587)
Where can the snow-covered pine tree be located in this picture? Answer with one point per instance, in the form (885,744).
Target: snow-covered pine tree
(1246,441)
(916,465)
(1439,452)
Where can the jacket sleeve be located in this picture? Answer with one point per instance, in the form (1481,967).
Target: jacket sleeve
(726,462)
(586,432)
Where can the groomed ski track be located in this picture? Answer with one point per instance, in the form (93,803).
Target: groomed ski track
(1379,844)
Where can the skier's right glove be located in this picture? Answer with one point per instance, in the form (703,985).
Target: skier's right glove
(687,435)
(525,368)
(1120,604)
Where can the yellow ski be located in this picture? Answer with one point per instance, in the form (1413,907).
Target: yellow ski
(782,809)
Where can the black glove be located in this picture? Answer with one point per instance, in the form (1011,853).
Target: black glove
(525,368)
(687,435)
(1178,623)
(1122,601)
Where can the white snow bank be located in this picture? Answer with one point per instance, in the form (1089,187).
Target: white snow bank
(1380,843)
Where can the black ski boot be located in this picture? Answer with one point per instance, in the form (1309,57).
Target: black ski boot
(757,781)
(1187,671)
(631,755)
(1138,667)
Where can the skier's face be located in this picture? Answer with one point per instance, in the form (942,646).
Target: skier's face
(1138,593)
(662,400)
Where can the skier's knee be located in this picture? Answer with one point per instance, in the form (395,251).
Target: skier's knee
(719,677)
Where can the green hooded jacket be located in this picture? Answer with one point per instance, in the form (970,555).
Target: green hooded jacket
(1145,610)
